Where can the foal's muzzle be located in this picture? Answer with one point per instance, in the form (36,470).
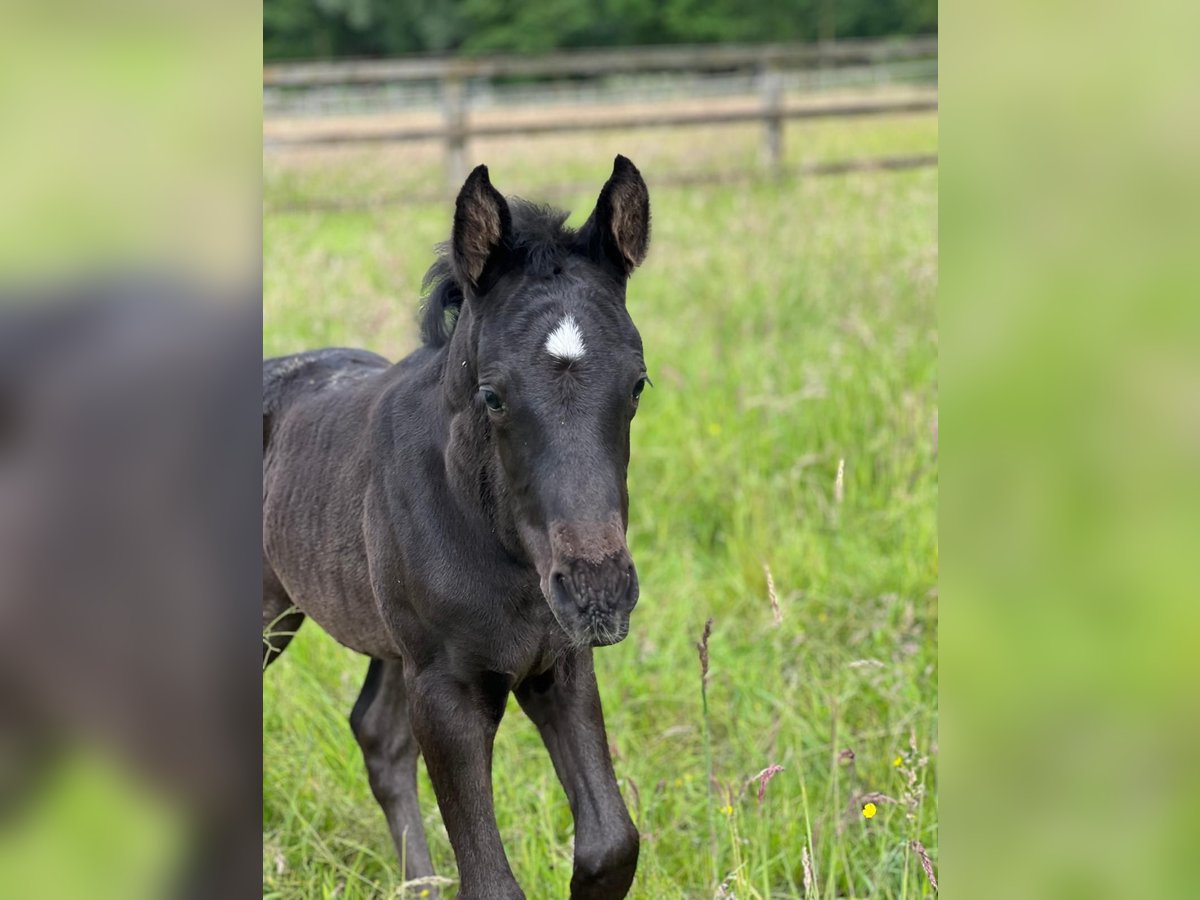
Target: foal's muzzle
(594,601)
(593,585)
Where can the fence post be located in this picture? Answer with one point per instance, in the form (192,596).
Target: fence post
(772,100)
(454,112)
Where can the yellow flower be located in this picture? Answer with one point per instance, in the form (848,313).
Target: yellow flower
(868,810)
(727,810)
(897,762)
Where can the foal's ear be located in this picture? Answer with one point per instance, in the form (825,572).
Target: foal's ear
(482,232)
(619,227)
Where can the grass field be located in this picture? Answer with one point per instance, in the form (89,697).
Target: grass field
(790,330)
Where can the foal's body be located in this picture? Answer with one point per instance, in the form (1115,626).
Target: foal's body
(346,471)
(473,546)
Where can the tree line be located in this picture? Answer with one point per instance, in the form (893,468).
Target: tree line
(325,29)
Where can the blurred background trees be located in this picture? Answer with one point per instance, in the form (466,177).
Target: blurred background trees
(315,29)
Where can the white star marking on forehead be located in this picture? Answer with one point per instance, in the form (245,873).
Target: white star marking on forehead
(566,341)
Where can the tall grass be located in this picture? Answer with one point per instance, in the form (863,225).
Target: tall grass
(783,482)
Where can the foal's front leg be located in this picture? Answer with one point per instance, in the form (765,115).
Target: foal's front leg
(380,722)
(565,705)
(455,723)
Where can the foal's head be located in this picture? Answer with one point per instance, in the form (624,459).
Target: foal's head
(547,365)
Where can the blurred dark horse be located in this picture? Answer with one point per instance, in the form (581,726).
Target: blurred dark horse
(126,411)
(460,518)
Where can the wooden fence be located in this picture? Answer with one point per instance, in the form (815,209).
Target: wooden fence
(452,74)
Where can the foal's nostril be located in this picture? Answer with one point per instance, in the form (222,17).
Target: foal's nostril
(631,586)
(607,588)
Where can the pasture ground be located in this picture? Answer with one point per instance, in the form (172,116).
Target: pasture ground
(790,330)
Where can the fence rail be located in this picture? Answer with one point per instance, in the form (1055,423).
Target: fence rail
(768,61)
(705,58)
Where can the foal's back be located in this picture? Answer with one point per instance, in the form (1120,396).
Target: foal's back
(314,474)
(302,375)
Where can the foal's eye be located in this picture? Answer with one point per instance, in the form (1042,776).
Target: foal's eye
(492,399)
(639,387)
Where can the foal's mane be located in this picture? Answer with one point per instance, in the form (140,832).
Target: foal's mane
(540,241)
